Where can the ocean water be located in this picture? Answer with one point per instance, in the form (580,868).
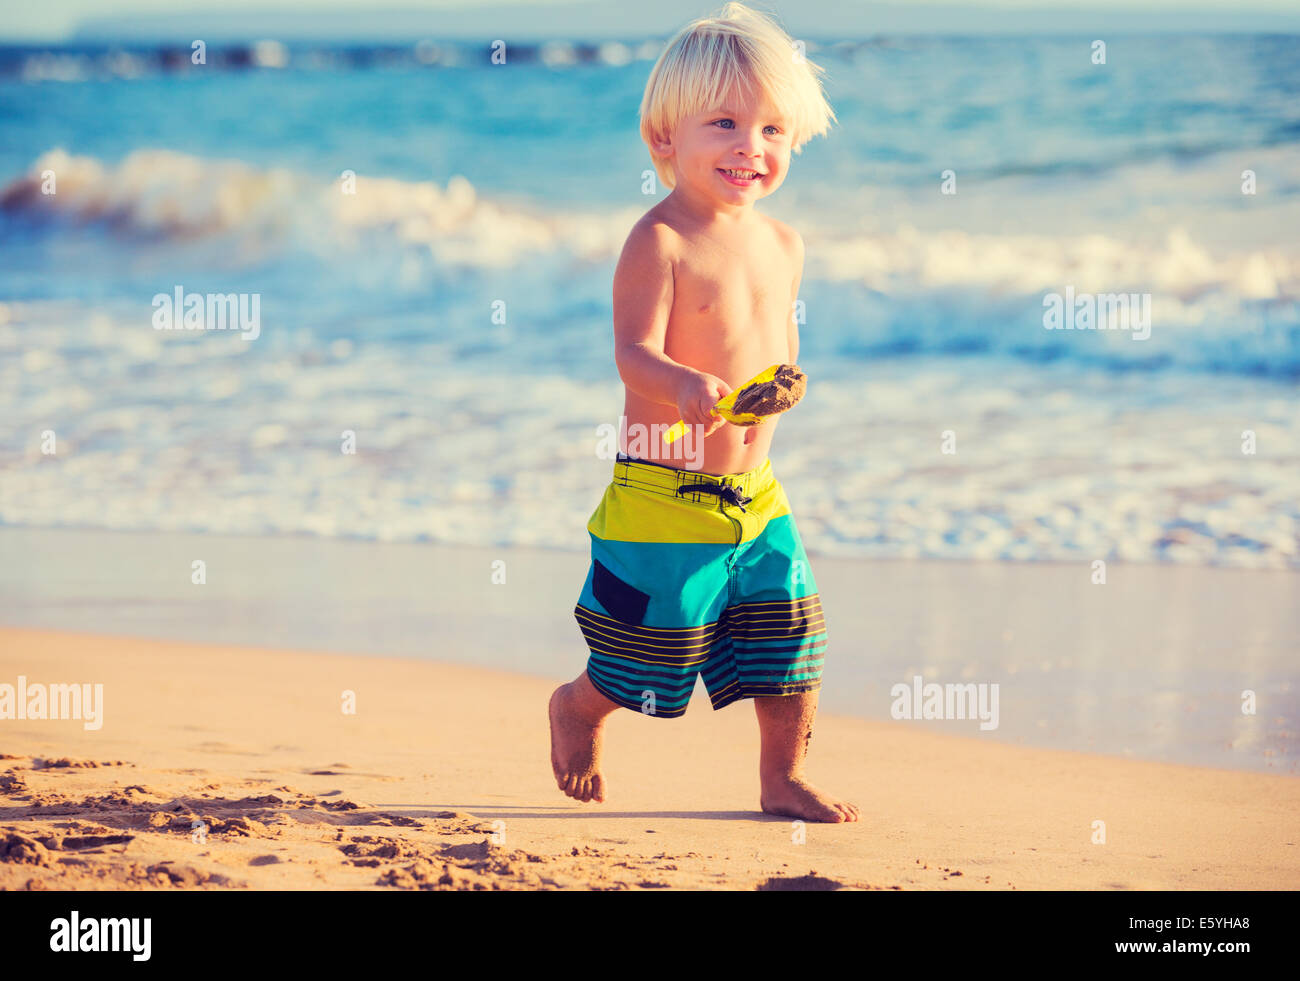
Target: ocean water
(454,312)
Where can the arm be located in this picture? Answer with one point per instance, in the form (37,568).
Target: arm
(643,300)
(794,296)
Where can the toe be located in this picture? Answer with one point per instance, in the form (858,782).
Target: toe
(598,788)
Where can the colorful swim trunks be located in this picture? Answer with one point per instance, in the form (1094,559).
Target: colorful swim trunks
(694,573)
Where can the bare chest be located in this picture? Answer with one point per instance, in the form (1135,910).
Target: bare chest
(732,288)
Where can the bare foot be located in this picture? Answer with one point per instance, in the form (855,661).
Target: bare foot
(575,750)
(795,797)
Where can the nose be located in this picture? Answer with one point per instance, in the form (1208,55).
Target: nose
(749,143)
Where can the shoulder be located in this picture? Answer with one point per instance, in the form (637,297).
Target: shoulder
(791,241)
(647,268)
(652,240)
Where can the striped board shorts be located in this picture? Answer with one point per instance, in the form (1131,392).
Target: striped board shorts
(695,573)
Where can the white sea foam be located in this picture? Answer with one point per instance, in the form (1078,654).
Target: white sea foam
(161,191)
(191,433)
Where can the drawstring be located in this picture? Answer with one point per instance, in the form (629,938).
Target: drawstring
(728,491)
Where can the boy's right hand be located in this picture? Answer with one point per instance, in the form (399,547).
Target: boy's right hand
(697,396)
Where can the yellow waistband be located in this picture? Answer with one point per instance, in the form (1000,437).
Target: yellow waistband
(660,478)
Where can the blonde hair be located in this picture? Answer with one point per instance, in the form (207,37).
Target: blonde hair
(706,60)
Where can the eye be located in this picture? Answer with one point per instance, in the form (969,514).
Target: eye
(730,124)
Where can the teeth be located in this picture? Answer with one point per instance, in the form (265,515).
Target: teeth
(741,174)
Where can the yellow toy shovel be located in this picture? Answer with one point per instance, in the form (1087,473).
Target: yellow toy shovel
(772,391)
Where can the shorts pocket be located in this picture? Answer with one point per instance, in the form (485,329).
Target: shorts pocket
(624,602)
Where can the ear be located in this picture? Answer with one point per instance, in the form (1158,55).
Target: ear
(663,146)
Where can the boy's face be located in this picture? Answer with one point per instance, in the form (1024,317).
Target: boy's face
(739,135)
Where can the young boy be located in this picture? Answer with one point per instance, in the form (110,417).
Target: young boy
(702,570)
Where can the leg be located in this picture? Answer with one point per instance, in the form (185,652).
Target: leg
(578,714)
(785,723)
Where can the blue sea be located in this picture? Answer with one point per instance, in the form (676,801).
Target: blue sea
(453,314)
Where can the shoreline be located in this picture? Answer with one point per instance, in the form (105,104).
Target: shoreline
(1152,665)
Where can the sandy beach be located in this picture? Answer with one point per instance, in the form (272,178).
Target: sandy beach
(238,767)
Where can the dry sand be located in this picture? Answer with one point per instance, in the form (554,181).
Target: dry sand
(410,791)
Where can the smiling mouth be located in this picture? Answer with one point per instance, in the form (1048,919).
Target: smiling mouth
(746,176)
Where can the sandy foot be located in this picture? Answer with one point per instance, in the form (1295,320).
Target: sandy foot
(575,751)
